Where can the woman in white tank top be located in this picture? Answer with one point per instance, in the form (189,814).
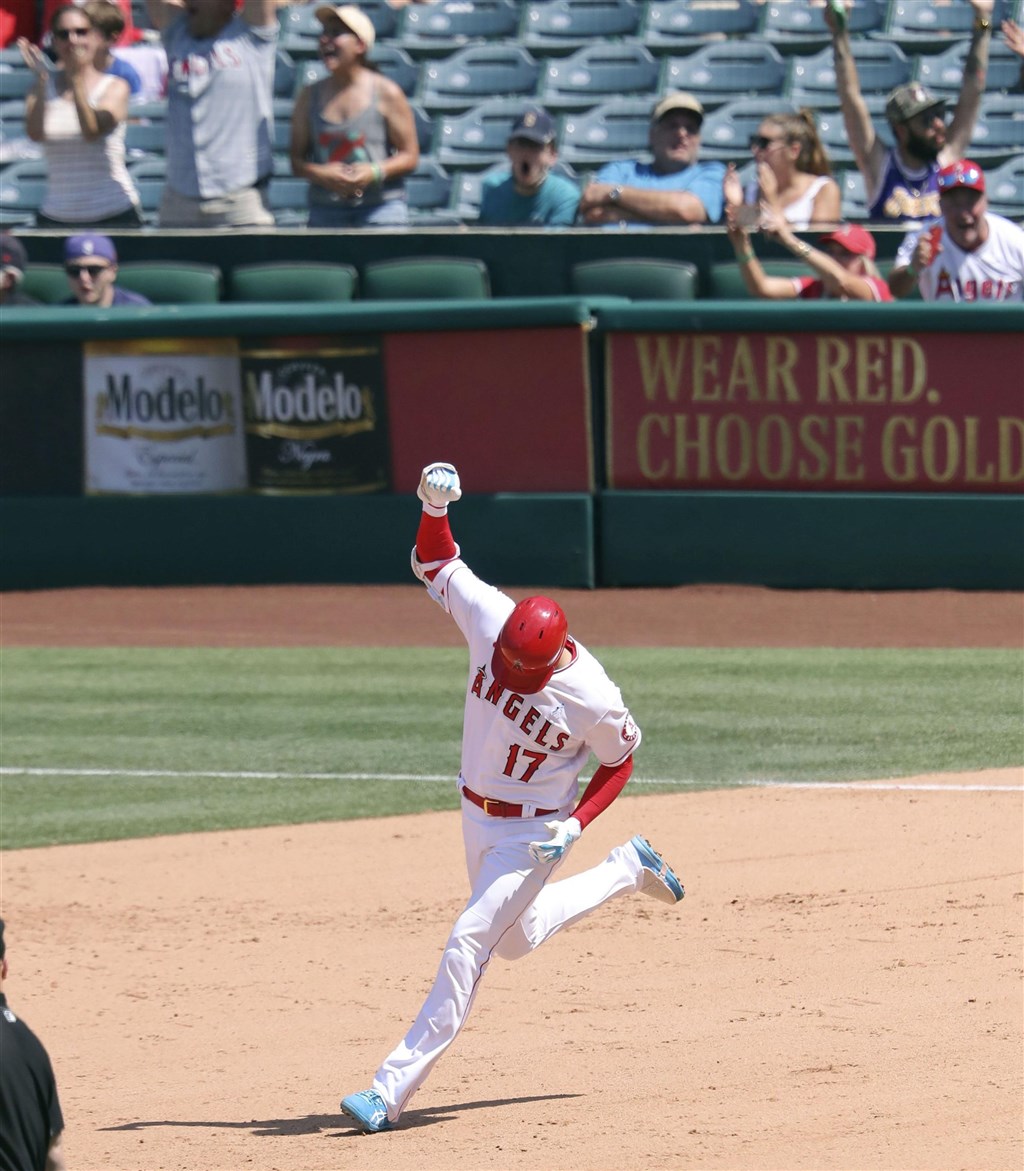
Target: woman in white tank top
(78,114)
(794,176)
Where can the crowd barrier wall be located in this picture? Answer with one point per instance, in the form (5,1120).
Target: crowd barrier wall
(527,262)
(533,399)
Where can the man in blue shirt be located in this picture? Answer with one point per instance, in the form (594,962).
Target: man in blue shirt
(530,195)
(673,189)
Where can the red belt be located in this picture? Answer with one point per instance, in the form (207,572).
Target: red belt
(501,808)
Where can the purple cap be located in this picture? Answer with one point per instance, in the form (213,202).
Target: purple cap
(77,247)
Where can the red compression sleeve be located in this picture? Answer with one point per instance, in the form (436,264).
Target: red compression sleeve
(605,785)
(434,540)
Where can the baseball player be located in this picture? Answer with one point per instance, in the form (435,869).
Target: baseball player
(971,254)
(537,705)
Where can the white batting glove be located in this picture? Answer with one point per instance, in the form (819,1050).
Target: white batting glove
(566,832)
(439,486)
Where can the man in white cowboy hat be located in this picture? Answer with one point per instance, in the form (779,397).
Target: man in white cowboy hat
(674,188)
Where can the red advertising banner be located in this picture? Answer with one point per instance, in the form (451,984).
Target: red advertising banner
(821,412)
(509,407)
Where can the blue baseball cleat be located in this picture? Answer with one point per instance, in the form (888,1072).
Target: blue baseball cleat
(368,1109)
(658,879)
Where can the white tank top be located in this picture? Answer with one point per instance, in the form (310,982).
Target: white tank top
(800,212)
(87,181)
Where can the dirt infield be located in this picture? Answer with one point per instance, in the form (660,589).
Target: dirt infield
(841,987)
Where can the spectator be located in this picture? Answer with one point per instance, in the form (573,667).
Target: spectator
(13,262)
(31,1121)
(129,34)
(674,189)
(91,264)
(843,263)
(794,175)
(972,254)
(531,194)
(77,113)
(900,181)
(353,132)
(220,113)
(109,22)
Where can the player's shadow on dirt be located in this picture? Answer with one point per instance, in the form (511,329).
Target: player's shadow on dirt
(317,1123)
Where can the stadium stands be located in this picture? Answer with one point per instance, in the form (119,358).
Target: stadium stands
(595,74)
(469,67)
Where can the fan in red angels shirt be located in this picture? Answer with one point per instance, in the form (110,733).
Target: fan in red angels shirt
(971,254)
(843,263)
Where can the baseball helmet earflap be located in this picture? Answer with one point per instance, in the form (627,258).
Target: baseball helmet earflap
(529,645)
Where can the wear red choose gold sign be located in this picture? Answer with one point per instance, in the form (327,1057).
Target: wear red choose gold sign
(826,412)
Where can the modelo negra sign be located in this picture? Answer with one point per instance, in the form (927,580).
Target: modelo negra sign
(315,416)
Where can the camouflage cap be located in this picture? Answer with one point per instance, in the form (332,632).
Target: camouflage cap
(907,101)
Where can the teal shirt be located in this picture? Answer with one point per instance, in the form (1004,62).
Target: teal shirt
(554,204)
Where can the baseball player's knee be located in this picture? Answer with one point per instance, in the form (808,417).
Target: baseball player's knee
(514,944)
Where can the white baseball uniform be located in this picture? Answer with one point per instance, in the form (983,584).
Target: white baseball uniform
(527,750)
(992,272)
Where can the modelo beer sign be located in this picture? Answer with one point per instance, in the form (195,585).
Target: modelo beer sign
(315,416)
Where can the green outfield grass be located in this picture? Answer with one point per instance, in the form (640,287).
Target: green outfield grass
(134,742)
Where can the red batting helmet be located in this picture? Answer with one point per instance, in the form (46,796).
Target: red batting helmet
(528,646)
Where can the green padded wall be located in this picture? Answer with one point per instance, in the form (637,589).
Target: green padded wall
(812,540)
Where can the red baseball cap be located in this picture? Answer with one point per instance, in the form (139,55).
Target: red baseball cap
(962,173)
(853,238)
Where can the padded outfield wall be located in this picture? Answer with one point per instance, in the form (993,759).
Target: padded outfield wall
(585,467)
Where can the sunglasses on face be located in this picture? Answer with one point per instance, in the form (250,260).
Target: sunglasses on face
(93,270)
(759,142)
(65,34)
(962,175)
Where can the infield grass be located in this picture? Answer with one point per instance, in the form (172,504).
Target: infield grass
(140,741)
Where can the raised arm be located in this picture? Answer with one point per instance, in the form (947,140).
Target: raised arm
(868,150)
(162,12)
(759,284)
(839,282)
(260,13)
(961,129)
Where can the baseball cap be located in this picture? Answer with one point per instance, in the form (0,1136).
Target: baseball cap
(13,257)
(853,238)
(75,247)
(679,100)
(906,101)
(535,125)
(962,173)
(353,19)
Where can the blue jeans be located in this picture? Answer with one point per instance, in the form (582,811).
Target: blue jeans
(391,213)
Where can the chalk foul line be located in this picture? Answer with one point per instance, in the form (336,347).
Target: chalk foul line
(430,778)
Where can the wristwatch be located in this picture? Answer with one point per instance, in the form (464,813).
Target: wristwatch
(615,195)
(981,24)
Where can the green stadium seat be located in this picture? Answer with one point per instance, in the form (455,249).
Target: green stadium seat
(173,282)
(285,281)
(720,73)
(48,283)
(596,74)
(443,27)
(680,26)
(426,278)
(727,280)
(641,278)
(556,27)
(476,73)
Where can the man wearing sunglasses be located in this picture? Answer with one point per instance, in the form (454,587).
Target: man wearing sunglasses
(91,264)
(972,254)
(900,181)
